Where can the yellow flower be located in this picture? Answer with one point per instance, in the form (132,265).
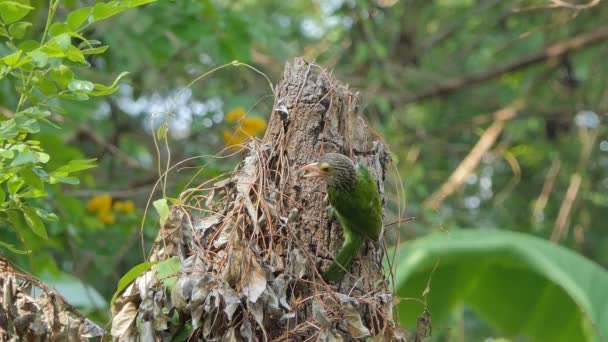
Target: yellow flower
(233,138)
(100,203)
(126,207)
(106,217)
(252,126)
(235,115)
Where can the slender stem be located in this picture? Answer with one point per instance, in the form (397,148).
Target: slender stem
(53,5)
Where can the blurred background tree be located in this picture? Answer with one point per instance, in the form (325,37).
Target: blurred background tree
(494,110)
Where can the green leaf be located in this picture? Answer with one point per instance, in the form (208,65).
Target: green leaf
(8,129)
(32,179)
(11,11)
(75,166)
(162,208)
(34,112)
(81,85)
(2,195)
(75,55)
(102,90)
(512,280)
(34,221)
(65,180)
(78,17)
(135,3)
(28,45)
(103,11)
(13,249)
(167,271)
(130,276)
(62,75)
(58,29)
(95,51)
(17,30)
(64,41)
(24,157)
(43,157)
(39,58)
(15,218)
(12,59)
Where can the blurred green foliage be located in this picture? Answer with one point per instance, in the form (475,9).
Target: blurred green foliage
(53,93)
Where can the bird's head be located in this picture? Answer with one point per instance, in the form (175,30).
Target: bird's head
(335,168)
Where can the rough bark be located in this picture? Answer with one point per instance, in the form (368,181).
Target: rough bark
(251,247)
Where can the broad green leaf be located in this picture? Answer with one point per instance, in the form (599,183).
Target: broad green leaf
(17,30)
(13,249)
(521,284)
(53,49)
(13,58)
(75,55)
(162,208)
(43,157)
(58,29)
(2,195)
(167,271)
(24,157)
(14,185)
(32,179)
(27,125)
(34,112)
(103,11)
(39,58)
(78,17)
(34,221)
(28,45)
(11,11)
(8,129)
(15,218)
(62,75)
(46,86)
(130,276)
(64,41)
(81,85)
(6,154)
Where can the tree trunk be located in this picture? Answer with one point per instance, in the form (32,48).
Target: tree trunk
(251,248)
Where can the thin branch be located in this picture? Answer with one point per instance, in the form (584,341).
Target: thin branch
(556,50)
(541,201)
(561,224)
(470,162)
(559,3)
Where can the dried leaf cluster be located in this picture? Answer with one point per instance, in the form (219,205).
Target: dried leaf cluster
(30,311)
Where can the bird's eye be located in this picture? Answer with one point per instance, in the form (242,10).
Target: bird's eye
(324,167)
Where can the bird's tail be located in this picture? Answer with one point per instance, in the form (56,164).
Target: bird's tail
(344,259)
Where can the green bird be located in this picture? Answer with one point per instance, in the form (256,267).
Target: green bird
(355,200)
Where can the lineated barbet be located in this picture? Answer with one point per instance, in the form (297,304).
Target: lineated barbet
(355,201)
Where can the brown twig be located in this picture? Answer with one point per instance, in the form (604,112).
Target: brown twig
(470,162)
(541,201)
(561,224)
(552,51)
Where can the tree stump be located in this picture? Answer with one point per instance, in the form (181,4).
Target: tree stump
(251,247)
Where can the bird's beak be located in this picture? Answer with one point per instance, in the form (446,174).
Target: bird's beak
(311,170)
